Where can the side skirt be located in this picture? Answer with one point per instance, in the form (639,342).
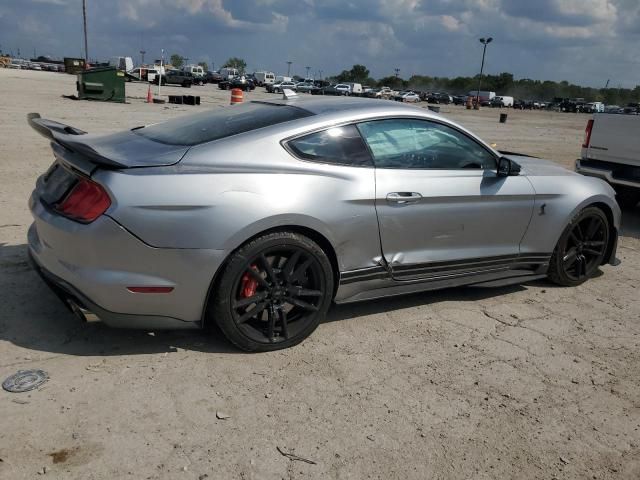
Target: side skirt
(377,282)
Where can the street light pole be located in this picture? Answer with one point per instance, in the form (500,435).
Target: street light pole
(308,68)
(289,68)
(84,22)
(485,42)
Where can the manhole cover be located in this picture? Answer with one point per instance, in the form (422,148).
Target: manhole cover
(25,380)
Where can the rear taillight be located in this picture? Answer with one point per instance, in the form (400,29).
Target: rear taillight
(85,202)
(587,134)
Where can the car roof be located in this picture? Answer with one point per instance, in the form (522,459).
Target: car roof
(322,105)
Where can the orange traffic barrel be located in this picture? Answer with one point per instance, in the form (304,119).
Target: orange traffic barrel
(236,96)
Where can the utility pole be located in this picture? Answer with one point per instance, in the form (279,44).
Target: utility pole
(308,68)
(397,70)
(84,21)
(289,68)
(485,42)
(142,52)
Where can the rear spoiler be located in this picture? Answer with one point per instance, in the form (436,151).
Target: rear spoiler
(46,128)
(63,135)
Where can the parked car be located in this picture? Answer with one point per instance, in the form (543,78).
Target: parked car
(372,93)
(437,97)
(410,97)
(279,87)
(213,77)
(393,200)
(459,99)
(243,83)
(175,77)
(304,87)
(611,151)
(341,89)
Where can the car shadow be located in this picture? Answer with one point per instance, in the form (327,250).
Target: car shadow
(34,318)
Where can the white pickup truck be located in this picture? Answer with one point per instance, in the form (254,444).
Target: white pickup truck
(611,151)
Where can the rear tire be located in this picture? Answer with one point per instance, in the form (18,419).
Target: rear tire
(581,248)
(290,280)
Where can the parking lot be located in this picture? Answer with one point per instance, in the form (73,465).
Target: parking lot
(529,381)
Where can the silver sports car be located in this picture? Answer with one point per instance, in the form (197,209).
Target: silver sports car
(256,217)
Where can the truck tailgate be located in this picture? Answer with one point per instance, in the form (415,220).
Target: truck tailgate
(614,138)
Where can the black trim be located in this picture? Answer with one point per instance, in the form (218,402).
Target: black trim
(363,275)
(436,270)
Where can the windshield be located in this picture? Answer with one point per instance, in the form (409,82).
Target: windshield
(220,123)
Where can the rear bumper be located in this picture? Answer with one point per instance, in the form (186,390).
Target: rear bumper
(612,173)
(95,263)
(89,311)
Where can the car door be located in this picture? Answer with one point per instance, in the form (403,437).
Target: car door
(442,207)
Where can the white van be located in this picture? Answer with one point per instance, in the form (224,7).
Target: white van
(505,101)
(265,78)
(197,71)
(356,88)
(281,78)
(229,73)
(122,63)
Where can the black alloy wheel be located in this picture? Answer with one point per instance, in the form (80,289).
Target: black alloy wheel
(581,248)
(274,292)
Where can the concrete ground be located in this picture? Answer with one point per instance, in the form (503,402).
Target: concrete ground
(530,381)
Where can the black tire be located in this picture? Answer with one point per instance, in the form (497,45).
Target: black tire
(581,248)
(627,197)
(290,280)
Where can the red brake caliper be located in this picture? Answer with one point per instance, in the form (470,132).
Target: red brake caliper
(249,285)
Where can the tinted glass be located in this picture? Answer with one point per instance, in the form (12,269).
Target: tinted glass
(408,143)
(221,123)
(340,145)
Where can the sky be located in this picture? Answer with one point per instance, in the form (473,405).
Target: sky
(586,42)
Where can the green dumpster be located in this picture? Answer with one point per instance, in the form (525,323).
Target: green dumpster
(101,83)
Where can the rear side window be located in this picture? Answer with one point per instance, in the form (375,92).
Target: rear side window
(220,123)
(338,145)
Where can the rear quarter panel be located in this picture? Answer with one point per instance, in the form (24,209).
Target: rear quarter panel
(221,195)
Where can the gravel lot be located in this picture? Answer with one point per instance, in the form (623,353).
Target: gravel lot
(531,381)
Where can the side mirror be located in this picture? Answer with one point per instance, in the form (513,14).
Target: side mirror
(507,167)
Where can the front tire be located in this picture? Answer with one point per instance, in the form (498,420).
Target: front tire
(273,293)
(581,248)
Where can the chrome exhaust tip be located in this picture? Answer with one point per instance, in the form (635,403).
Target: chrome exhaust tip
(82,313)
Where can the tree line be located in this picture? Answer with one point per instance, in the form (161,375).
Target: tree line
(502,84)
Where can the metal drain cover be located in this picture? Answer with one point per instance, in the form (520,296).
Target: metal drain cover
(25,380)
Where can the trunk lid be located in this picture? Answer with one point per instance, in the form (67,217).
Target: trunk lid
(86,152)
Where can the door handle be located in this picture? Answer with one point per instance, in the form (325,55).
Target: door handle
(403,197)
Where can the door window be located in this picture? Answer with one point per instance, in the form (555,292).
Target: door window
(339,145)
(411,143)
